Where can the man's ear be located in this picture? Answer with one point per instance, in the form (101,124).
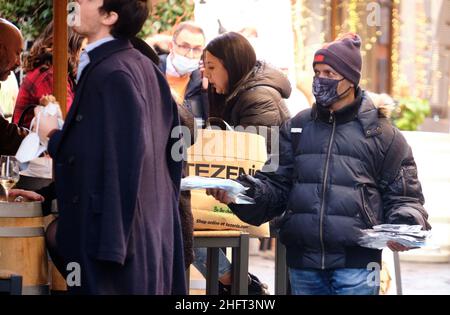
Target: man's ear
(110,18)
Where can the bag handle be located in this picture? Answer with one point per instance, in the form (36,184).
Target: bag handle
(24,113)
(37,123)
(218,120)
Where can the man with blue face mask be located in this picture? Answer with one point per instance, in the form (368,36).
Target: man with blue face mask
(181,68)
(343,168)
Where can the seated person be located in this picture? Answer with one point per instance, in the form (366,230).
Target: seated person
(38,66)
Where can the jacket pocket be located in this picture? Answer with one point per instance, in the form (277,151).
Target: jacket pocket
(365,209)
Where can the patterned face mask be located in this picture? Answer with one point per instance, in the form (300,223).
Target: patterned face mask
(325,91)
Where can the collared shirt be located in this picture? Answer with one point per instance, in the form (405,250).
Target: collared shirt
(84,57)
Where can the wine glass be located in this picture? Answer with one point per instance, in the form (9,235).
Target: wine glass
(9,173)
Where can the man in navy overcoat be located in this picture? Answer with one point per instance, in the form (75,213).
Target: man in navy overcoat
(116,183)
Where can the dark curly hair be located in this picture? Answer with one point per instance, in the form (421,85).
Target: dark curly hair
(41,53)
(132,15)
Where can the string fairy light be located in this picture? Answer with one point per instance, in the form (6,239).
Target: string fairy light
(395,51)
(421,61)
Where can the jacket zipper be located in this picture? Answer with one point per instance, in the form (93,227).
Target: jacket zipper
(331,120)
(366,211)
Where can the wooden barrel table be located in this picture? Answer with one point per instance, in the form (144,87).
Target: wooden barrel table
(22,245)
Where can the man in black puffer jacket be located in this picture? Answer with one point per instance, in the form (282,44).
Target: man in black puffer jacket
(342,168)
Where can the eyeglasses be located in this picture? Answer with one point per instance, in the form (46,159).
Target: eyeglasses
(185,49)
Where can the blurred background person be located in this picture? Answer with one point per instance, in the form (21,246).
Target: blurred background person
(8,95)
(160,43)
(11,46)
(181,68)
(38,66)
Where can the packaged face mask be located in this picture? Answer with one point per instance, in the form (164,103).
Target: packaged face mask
(31,147)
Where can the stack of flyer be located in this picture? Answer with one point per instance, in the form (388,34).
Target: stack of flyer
(411,236)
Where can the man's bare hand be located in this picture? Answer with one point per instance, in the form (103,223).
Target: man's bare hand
(220,195)
(47,124)
(205,82)
(397,247)
(28,195)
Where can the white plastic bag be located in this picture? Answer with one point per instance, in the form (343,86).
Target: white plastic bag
(31,146)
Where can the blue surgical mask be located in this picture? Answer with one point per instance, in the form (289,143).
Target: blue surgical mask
(184,65)
(325,91)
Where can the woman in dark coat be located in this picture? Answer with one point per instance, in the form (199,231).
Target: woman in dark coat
(243,92)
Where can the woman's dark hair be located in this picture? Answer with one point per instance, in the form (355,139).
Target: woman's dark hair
(41,53)
(236,54)
(238,57)
(132,15)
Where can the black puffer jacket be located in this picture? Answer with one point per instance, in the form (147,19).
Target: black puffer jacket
(258,99)
(335,178)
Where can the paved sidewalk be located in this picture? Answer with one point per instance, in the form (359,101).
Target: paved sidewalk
(417,278)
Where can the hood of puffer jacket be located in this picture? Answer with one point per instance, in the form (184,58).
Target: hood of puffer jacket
(264,74)
(383,102)
(383,108)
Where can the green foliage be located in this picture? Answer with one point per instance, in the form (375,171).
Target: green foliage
(410,113)
(166,14)
(31,16)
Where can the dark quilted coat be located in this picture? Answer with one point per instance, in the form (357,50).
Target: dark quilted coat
(332,181)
